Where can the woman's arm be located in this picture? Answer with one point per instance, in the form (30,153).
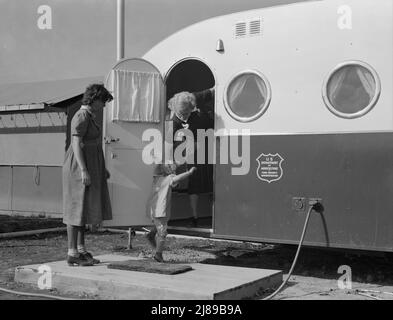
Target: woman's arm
(202,97)
(176,179)
(76,146)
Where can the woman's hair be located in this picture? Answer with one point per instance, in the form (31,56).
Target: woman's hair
(95,92)
(182,101)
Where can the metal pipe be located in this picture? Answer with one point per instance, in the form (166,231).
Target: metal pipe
(120,29)
(203,230)
(180,236)
(29,232)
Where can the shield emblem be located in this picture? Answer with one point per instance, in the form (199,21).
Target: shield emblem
(269,167)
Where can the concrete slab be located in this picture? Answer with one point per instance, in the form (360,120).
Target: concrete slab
(204,282)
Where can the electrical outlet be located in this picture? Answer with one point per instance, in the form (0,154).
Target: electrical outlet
(299,204)
(312,201)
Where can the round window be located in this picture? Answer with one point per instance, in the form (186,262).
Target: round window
(247,96)
(351,90)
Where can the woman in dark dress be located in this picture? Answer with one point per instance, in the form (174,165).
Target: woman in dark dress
(85,191)
(191,112)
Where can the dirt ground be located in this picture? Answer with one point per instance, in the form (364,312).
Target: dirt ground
(14,224)
(315,276)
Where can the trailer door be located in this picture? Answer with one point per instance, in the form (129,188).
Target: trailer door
(139,104)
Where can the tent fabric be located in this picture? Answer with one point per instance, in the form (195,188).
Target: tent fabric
(35,95)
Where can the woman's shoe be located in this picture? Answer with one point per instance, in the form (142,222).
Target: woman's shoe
(88,257)
(79,261)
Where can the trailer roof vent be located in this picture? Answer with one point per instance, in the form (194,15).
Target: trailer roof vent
(240,29)
(255,27)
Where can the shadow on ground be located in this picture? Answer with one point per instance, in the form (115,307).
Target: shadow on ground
(320,263)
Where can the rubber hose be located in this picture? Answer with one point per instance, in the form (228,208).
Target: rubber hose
(296,256)
(39,295)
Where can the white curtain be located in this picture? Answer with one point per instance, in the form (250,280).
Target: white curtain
(351,89)
(238,86)
(137,96)
(367,80)
(336,83)
(262,89)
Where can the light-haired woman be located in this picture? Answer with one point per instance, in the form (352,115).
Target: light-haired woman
(190,111)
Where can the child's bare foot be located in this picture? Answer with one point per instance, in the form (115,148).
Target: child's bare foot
(158,257)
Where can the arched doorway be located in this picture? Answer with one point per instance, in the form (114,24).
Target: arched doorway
(193,75)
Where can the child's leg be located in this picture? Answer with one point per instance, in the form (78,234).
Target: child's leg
(161,225)
(151,236)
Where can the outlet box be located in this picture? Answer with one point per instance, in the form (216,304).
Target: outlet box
(299,204)
(312,201)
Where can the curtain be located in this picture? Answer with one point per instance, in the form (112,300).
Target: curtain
(367,80)
(262,89)
(351,89)
(242,89)
(237,88)
(137,96)
(336,82)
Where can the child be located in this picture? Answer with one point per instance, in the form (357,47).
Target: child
(159,204)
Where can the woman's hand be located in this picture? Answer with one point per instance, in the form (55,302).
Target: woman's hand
(86,178)
(107,174)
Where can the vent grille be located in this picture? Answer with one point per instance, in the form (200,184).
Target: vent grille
(255,27)
(240,29)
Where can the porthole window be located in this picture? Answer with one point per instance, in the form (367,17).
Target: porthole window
(352,89)
(247,96)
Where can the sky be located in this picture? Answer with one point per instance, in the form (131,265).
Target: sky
(81,40)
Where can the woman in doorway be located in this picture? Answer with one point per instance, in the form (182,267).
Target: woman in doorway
(85,190)
(192,111)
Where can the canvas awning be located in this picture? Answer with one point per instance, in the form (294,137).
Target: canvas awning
(37,95)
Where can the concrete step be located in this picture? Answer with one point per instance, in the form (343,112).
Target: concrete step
(204,282)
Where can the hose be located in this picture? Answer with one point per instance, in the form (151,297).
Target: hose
(39,295)
(316,207)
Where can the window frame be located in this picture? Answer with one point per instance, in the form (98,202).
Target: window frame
(373,101)
(267,100)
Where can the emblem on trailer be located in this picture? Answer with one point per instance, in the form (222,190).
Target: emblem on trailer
(269,167)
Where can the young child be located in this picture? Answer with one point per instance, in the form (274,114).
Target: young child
(159,204)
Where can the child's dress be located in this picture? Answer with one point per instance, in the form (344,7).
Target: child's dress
(158,207)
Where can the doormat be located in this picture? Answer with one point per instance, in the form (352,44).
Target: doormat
(150,266)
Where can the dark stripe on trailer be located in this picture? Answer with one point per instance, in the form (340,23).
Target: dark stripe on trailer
(352,173)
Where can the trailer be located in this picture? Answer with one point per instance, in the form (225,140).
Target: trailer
(304,87)
(305,90)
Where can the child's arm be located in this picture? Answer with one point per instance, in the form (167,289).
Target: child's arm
(176,179)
